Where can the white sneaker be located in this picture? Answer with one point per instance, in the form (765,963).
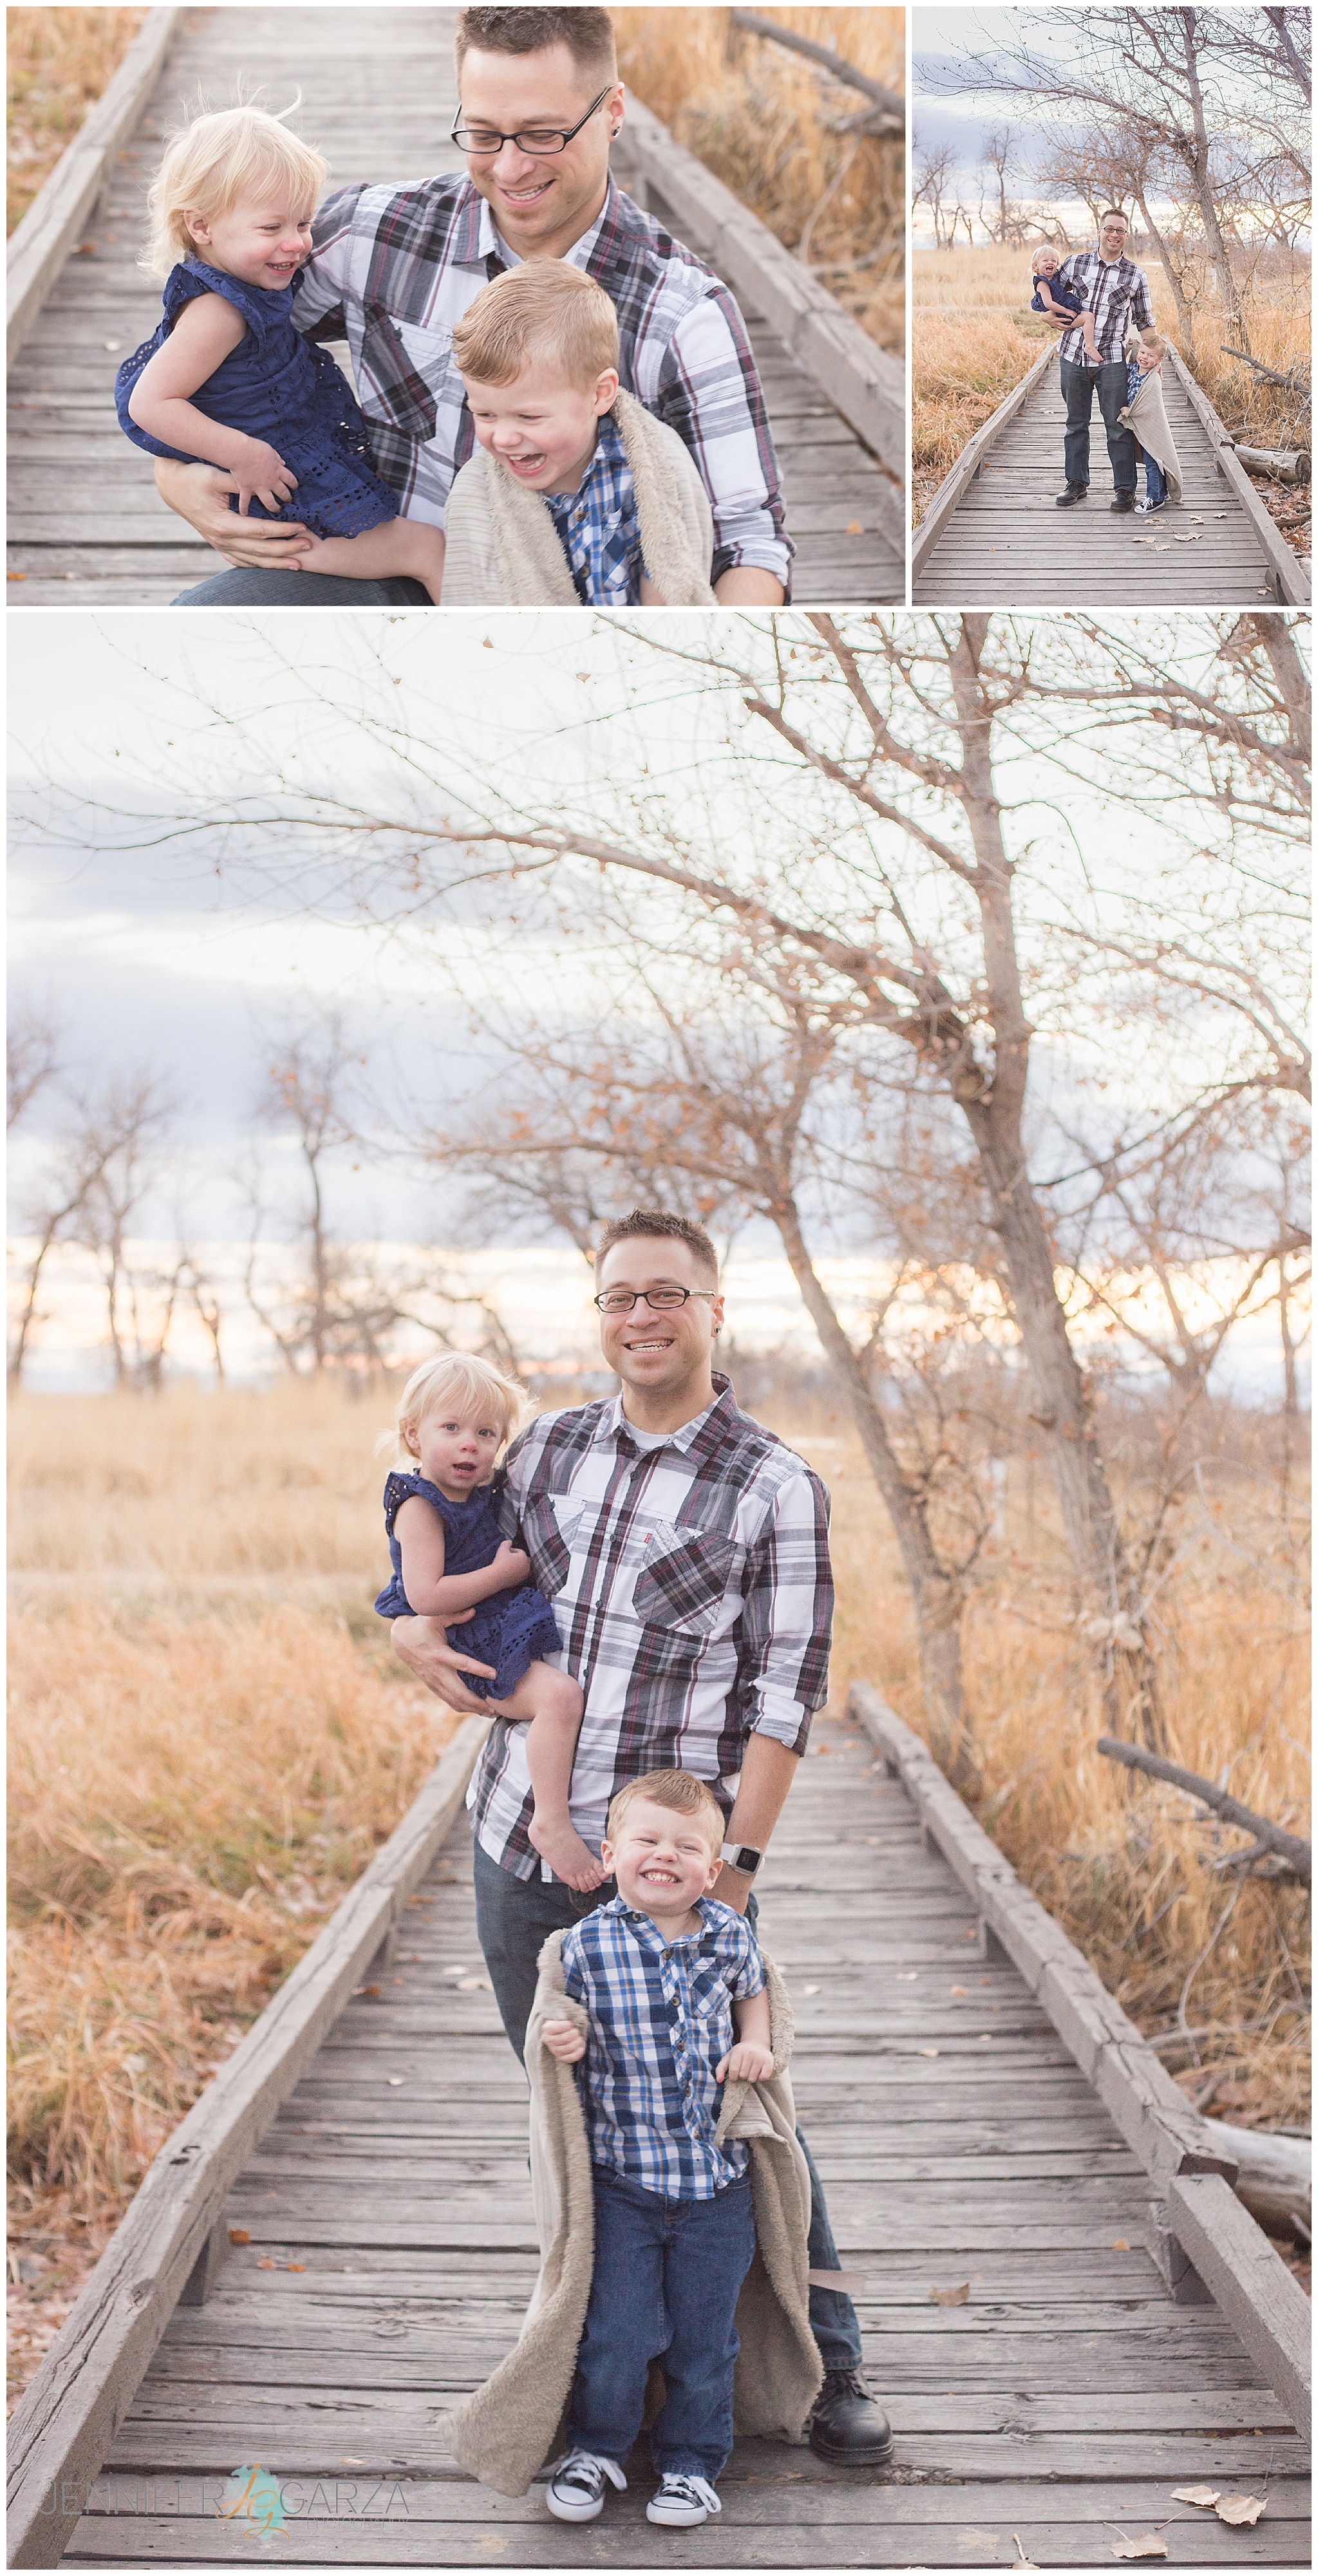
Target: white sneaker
(682,2500)
(575,2492)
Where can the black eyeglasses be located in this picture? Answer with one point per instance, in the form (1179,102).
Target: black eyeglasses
(620,1301)
(540,143)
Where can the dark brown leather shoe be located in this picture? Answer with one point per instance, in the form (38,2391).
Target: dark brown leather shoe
(1124,501)
(847,2425)
(1074,492)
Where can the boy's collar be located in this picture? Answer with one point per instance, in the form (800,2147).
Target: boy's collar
(619,1905)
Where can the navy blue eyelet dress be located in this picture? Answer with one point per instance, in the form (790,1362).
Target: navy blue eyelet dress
(510,1630)
(275,385)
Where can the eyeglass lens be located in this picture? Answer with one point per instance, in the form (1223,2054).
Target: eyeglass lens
(619,1301)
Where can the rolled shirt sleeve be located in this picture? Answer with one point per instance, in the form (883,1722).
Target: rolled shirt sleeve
(787,1615)
(709,392)
(1141,310)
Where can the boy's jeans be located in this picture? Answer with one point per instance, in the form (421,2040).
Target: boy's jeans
(665,2286)
(1155,481)
(513,1917)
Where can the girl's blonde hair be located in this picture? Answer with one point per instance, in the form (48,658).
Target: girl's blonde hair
(460,1379)
(214,161)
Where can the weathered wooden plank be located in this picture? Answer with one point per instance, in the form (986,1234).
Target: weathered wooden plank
(1292,577)
(1250,2283)
(41,244)
(70,2413)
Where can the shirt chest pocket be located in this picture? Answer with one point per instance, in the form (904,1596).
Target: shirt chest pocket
(684,1577)
(405,372)
(549,1524)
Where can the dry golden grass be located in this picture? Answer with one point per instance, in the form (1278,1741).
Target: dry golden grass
(60,61)
(758,117)
(973,337)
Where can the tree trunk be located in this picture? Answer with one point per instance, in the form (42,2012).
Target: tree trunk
(938,1596)
(1197,161)
(1172,274)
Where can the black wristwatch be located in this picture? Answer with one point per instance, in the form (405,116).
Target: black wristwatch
(743,1857)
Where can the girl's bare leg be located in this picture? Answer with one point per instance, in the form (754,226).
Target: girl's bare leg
(551,1704)
(408,548)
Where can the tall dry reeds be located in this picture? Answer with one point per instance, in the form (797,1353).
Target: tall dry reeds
(59,62)
(973,337)
(760,118)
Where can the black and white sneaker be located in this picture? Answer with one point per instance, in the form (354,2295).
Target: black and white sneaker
(1147,508)
(682,2501)
(575,2492)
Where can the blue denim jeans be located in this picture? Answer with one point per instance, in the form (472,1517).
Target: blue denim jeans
(1079,386)
(242,586)
(665,2286)
(1155,481)
(513,1918)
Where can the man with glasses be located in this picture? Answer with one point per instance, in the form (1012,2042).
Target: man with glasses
(1116,292)
(685,1550)
(394,270)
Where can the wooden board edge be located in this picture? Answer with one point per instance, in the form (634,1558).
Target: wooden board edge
(1250,2283)
(41,243)
(864,384)
(69,2414)
(953,486)
(1293,578)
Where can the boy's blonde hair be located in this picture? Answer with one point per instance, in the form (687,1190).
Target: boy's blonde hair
(214,161)
(543,309)
(680,1791)
(1156,342)
(467,1383)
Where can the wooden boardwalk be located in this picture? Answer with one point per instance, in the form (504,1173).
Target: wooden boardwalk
(86,525)
(993,536)
(390,2252)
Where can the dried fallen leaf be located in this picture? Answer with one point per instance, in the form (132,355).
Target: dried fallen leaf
(960,1990)
(366,1990)
(812,1990)
(266,2263)
(295,2267)
(951,2298)
(1241,2508)
(1121,2245)
(395,2079)
(926,2052)
(1147,2544)
(854,528)
(1020,2559)
(240,2236)
(1194,2495)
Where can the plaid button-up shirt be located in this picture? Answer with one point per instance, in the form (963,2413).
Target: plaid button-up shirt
(394,270)
(660,2022)
(599,529)
(694,1600)
(1116,292)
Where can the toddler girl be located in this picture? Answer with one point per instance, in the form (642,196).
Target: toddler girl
(442,1518)
(228,380)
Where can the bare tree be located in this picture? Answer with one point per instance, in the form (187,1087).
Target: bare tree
(123,1131)
(934,176)
(997,169)
(32,1059)
(93,1179)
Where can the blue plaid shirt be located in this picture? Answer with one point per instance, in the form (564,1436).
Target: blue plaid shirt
(660,2021)
(598,527)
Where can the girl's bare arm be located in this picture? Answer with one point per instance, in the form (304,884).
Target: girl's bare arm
(206,332)
(432,1593)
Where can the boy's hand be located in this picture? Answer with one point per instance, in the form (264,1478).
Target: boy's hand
(564,2041)
(747,2063)
(511,1564)
(262,475)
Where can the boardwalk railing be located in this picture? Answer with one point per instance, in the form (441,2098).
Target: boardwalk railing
(1207,2243)
(172,2240)
(1287,576)
(65,204)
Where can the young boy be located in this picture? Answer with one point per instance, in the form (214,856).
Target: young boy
(1064,303)
(577,495)
(674,1988)
(1144,361)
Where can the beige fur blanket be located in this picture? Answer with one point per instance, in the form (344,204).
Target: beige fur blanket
(511,2426)
(1147,417)
(501,548)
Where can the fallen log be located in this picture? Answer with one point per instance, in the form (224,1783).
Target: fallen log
(1292,1849)
(1286,465)
(888,110)
(1274,2177)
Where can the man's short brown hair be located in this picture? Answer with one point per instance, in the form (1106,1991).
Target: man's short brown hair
(657,1221)
(540,309)
(1115,210)
(587,33)
(681,1792)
